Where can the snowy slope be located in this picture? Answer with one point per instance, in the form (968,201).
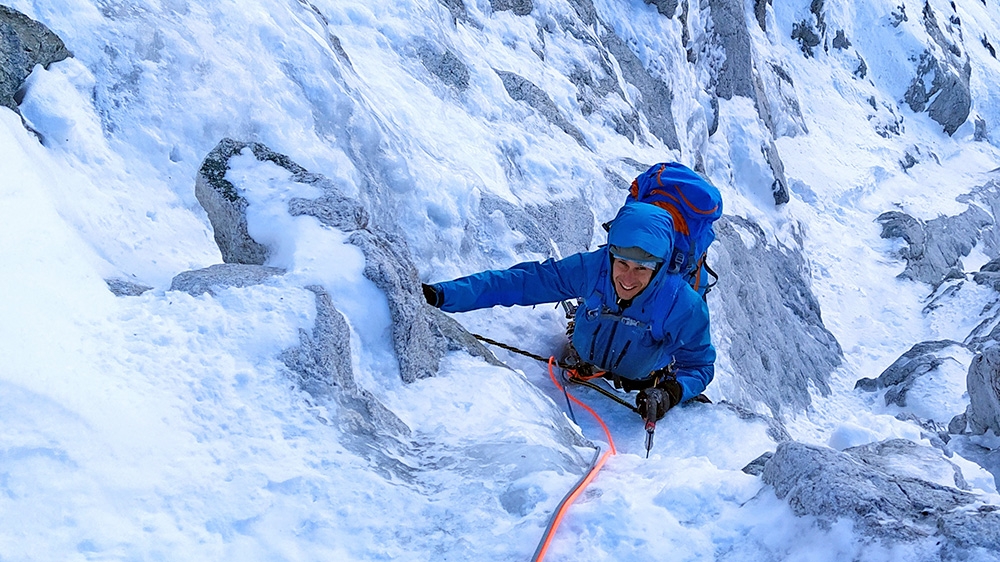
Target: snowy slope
(173,426)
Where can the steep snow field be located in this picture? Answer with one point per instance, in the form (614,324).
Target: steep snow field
(166,426)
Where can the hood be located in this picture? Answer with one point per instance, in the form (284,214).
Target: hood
(645,226)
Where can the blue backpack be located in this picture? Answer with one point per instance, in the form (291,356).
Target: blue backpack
(694,204)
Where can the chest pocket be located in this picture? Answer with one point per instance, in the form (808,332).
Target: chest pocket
(616,343)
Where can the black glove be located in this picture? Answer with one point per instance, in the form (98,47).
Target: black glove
(433,295)
(653,403)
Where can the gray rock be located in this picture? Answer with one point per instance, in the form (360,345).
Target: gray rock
(764,82)
(387,264)
(735,77)
(983,382)
(841,41)
(949,71)
(807,36)
(987,333)
(566,224)
(322,364)
(775,428)
(760,12)
(519,7)
(935,249)
(665,7)
(779,187)
(778,344)
(226,207)
(756,466)
(444,64)
(222,275)
(521,89)
(827,484)
(24,43)
(322,367)
(904,372)
(949,88)
(656,99)
(777,103)
(981,134)
(126,288)
(903,457)
(971,535)
(457,10)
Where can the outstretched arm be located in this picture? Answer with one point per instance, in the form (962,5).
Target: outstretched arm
(524,284)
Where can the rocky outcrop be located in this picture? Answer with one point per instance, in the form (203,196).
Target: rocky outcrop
(666,8)
(777,343)
(567,224)
(125,288)
(941,86)
(656,99)
(935,248)
(444,64)
(226,206)
(521,89)
(420,335)
(865,486)
(899,378)
(517,7)
(983,385)
(322,363)
(766,83)
(24,43)
(222,275)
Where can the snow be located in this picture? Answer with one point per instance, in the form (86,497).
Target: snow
(166,427)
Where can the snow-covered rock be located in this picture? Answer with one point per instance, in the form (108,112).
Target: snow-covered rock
(24,43)
(771,323)
(876,487)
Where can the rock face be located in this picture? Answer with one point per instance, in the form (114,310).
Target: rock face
(226,207)
(935,249)
(444,64)
(766,83)
(568,224)
(126,288)
(24,43)
(862,485)
(984,392)
(656,99)
(942,75)
(323,364)
(222,275)
(420,335)
(778,344)
(900,377)
(523,90)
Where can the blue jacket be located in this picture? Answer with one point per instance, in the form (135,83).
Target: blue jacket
(668,321)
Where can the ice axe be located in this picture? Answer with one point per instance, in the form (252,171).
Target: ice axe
(650,419)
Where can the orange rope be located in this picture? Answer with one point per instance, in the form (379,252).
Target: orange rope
(574,374)
(571,497)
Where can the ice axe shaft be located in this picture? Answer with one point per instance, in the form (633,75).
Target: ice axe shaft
(650,428)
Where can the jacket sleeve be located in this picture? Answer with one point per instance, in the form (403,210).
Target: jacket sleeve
(524,284)
(695,358)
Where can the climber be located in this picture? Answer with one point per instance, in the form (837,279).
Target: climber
(645,328)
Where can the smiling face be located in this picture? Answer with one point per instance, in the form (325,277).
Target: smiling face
(629,278)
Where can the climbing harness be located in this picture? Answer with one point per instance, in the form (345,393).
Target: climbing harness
(572,373)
